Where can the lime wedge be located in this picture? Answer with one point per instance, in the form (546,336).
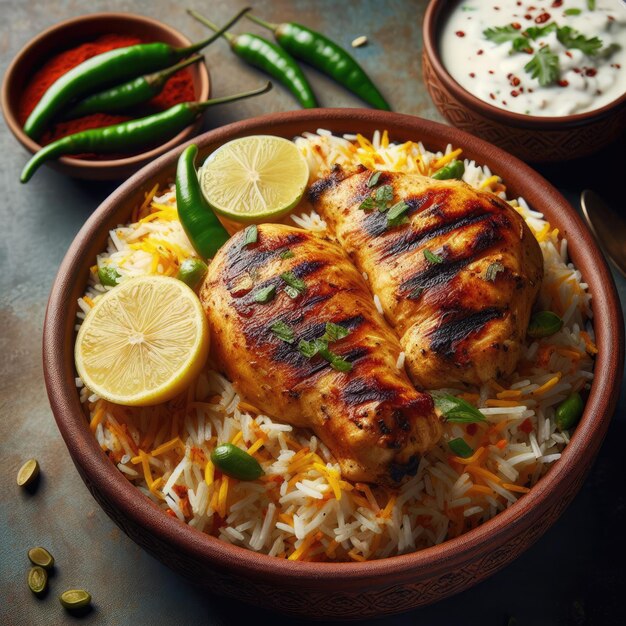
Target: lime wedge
(254,179)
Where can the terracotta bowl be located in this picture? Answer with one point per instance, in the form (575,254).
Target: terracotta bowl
(531,138)
(71,33)
(340,590)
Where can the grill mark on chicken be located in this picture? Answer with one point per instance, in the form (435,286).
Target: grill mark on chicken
(434,275)
(409,239)
(243,259)
(360,391)
(445,337)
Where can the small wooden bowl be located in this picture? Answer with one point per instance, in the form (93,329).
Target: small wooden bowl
(71,33)
(335,590)
(529,137)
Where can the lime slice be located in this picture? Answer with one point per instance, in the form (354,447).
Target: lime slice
(143,342)
(254,179)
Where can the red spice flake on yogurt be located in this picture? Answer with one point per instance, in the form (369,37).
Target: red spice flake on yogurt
(542,19)
(557,3)
(516,25)
(515,93)
(590,71)
(460,33)
(472,75)
(563,83)
(480,52)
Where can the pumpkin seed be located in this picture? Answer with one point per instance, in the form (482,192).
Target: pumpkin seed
(28,473)
(37,580)
(236,462)
(73,599)
(40,556)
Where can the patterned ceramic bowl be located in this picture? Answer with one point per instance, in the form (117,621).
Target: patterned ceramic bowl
(531,138)
(335,590)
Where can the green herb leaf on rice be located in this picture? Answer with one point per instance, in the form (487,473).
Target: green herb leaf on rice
(287,254)
(455,409)
(460,447)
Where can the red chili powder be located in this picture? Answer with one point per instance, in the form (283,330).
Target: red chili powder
(179,88)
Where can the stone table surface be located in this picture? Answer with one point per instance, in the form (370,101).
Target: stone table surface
(573,575)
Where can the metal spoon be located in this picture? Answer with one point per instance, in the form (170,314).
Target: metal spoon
(607,226)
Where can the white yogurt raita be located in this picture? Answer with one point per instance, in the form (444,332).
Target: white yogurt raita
(581,50)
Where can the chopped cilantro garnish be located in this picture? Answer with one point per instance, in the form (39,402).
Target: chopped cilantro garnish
(493,270)
(431,257)
(396,214)
(265,295)
(372,181)
(295,285)
(456,409)
(416,293)
(460,447)
(250,235)
(286,254)
(504,34)
(544,66)
(335,332)
(283,332)
(572,12)
(591,5)
(383,196)
(571,38)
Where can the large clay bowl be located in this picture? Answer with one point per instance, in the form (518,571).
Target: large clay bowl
(529,137)
(74,32)
(343,590)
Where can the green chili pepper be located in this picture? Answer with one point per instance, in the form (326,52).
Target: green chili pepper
(269,58)
(236,462)
(130,135)
(568,412)
(454,169)
(326,56)
(204,230)
(107,69)
(129,94)
(192,271)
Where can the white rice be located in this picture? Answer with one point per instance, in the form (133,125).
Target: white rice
(301,508)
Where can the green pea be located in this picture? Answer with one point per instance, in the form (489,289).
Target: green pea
(192,271)
(235,462)
(74,599)
(37,580)
(108,275)
(544,324)
(569,412)
(454,169)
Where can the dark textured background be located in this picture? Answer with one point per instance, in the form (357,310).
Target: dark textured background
(574,575)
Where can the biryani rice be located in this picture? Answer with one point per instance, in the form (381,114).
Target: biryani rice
(302,509)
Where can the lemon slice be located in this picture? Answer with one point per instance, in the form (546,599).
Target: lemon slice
(254,179)
(143,342)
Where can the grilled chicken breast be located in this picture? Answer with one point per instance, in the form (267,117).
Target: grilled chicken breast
(370,417)
(456,280)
